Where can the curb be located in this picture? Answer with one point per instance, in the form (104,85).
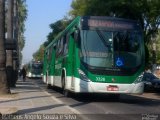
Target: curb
(5,112)
(9,110)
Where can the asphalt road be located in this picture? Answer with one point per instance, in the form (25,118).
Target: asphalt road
(102,107)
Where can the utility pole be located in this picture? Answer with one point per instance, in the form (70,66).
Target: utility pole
(4,87)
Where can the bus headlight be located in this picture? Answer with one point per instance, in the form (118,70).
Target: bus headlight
(83,75)
(29,74)
(139,78)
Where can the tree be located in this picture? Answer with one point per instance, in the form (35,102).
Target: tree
(56,28)
(4,87)
(16,16)
(38,55)
(22,16)
(9,53)
(158,47)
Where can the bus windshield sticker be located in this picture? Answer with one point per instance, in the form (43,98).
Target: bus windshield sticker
(119,62)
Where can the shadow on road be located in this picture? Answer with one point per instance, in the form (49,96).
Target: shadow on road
(127,99)
(93,97)
(37,109)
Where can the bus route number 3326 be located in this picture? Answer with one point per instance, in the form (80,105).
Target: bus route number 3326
(100,79)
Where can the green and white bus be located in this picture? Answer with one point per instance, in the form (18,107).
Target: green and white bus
(96,55)
(35,69)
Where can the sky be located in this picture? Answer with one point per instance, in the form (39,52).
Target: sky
(41,13)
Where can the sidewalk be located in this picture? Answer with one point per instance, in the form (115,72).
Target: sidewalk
(29,98)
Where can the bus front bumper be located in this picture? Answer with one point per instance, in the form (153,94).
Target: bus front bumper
(95,87)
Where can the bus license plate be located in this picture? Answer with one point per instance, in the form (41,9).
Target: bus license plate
(112,88)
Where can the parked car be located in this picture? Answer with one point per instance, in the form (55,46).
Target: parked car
(151,82)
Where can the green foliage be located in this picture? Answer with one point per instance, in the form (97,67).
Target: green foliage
(56,28)
(158,48)
(38,55)
(120,8)
(22,16)
(147,55)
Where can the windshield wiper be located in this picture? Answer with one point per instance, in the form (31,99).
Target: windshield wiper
(106,43)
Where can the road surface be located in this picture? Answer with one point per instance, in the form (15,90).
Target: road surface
(102,107)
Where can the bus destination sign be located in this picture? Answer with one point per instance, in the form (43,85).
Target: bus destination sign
(112,24)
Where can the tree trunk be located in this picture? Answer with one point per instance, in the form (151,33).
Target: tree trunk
(9,55)
(4,87)
(16,61)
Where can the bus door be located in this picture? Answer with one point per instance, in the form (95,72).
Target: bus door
(58,62)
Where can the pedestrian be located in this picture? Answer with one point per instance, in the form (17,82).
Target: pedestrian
(23,72)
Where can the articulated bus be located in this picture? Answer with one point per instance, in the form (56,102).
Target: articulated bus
(35,69)
(96,55)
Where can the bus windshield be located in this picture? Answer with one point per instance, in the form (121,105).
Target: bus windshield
(37,68)
(111,49)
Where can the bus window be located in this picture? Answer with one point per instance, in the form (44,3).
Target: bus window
(59,50)
(65,42)
(126,41)
(50,53)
